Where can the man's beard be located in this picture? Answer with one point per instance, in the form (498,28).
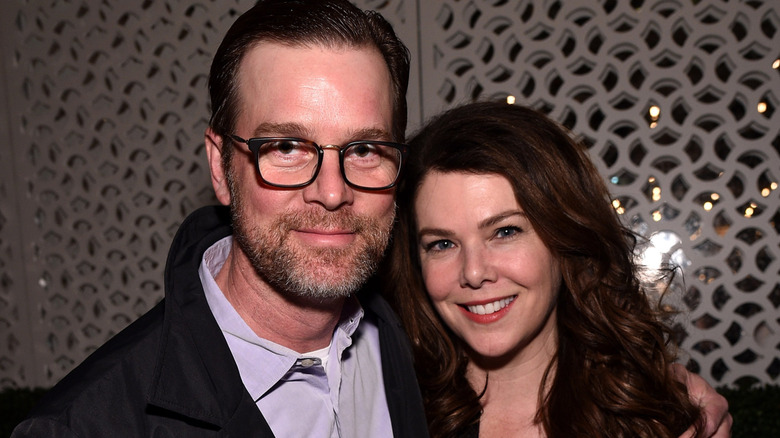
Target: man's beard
(309,273)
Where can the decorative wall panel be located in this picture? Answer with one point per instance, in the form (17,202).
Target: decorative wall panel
(108,108)
(678,103)
(105,104)
(15,345)
(14,340)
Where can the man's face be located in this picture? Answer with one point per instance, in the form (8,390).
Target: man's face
(320,242)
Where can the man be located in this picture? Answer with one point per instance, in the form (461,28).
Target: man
(261,332)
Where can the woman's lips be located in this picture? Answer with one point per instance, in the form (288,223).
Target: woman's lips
(487,311)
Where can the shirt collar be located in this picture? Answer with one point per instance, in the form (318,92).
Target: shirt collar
(248,348)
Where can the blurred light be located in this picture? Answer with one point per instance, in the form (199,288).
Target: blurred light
(665,241)
(618,206)
(653,112)
(510,100)
(652,258)
(773,186)
(651,179)
(657,216)
(656,193)
(748,212)
(761,107)
(714,196)
(776,64)
(707,206)
(765,192)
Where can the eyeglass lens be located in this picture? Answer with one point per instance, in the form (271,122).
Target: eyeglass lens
(294,162)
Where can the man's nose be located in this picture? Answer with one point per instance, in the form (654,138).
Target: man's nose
(329,189)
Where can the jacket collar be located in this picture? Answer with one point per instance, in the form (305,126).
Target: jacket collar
(195,375)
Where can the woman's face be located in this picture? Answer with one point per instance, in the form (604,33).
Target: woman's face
(488,274)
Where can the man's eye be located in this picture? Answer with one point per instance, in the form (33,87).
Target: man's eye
(363,150)
(286,147)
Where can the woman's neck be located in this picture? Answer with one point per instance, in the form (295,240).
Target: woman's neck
(511,397)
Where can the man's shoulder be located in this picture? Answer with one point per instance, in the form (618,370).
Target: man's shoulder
(375,304)
(199,226)
(379,312)
(117,374)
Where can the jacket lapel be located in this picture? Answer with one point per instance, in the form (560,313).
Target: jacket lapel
(195,375)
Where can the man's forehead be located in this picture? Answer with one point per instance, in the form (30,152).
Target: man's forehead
(263,53)
(314,46)
(290,90)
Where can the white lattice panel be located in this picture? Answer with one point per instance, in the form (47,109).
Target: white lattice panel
(699,178)
(106,104)
(109,107)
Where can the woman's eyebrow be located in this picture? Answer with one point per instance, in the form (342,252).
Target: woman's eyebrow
(487,223)
(495,219)
(433,231)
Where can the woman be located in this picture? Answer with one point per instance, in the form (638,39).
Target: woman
(515,281)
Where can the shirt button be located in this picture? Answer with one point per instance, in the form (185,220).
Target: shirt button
(307,363)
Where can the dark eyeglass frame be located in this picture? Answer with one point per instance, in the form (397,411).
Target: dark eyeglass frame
(254,144)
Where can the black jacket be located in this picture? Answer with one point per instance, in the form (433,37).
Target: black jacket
(170,373)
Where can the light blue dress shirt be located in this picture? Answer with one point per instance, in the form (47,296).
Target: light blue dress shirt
(296,394)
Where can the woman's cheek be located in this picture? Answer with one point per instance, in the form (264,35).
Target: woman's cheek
(436,276)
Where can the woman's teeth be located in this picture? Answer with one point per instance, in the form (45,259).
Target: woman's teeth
(495,306)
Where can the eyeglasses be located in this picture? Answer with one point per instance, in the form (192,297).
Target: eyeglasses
(289,162)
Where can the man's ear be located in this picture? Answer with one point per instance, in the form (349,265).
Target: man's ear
(218,177)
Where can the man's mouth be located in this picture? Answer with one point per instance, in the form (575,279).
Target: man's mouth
(325,237)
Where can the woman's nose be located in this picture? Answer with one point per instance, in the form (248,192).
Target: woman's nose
(477,268)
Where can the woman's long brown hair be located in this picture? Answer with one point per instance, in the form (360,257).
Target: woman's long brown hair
(611,375)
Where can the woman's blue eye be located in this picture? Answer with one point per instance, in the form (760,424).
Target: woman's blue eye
(438,245)
(507,231)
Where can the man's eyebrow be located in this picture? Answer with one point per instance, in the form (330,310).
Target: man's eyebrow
(297,130)
(370,134)
(281,130)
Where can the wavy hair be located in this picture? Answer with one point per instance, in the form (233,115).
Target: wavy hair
(611,374)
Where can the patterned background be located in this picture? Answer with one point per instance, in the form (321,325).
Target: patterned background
(103,105)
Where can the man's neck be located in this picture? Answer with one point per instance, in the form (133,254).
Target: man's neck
(295,324)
